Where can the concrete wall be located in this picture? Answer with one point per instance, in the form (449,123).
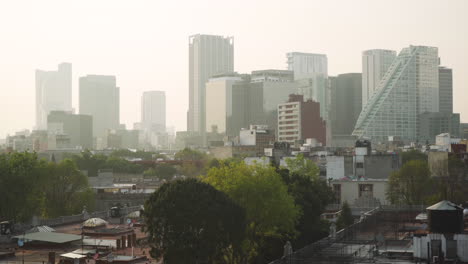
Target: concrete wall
(350,190)
(381,166)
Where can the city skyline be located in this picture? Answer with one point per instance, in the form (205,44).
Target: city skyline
(253,48)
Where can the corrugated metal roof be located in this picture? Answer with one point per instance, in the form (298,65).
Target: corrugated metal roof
(444,206)
(51,237)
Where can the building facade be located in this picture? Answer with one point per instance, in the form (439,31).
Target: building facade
(433,124)
(300,120)
(409,87)
(153,111)
(445,90)
(79,128)
(208,55)
(100,98)
(307,65)
(375,64)
(345,103)
(53,93)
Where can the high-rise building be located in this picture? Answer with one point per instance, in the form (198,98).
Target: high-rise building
(300,120)
(432,124)
(227,104)
(345,103)
(307,65)
(79,128)
(208,56)
(153,111)
(53,92)
(311,73)
(375,64)
(409,87)
(100,98)
(445,90)
(273,87)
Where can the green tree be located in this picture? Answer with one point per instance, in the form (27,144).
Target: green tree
(312,195)
(67,190)
(121,165)
(411,184)
(303,167)
(190,154)
(270,210)
(162,172)
(413,155)
(22,178)
(89,162)
(346,217)
(191,222)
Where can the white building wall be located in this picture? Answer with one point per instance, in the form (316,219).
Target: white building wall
(335,167)
(375,64)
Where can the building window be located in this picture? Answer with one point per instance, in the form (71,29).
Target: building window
(366,190)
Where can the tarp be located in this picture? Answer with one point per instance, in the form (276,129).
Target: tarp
(72,256)
(94,222)
(52,237)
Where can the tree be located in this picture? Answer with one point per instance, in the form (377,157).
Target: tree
(270,210)
(312,195)
(67,190)
(413,155)
(22,177)
(89,162)
(346,217)
(191,222)
(161,171)
(411,184)
(303,167)
(190,154)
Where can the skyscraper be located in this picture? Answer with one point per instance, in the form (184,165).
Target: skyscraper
(153,111)
(208,56)
(406,90)
(307,65)
(226,104)
(375,64)
(445,90)
(53,93)
(345,102)
(100,98)
(311,73)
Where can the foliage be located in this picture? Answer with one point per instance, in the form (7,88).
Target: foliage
(451,186)
(411,184)
(191,222)
(67,190)
(346,217)
(413,155)
(161,171)
(303,167)
(30,186)
(92,163)
(312,195)
(21,182)
(190,154)
(270,210)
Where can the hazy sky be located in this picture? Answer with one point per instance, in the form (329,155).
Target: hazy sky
(145,43)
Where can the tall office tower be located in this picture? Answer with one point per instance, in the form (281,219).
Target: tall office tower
(208,56)
(153,111)
(79,128)
(300,120)
(100,98)
(227,104)
(274,87)
(311,73)
(375,64)
(345,102)
(53,92)
(445,90)
(307,65)
(407,89)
